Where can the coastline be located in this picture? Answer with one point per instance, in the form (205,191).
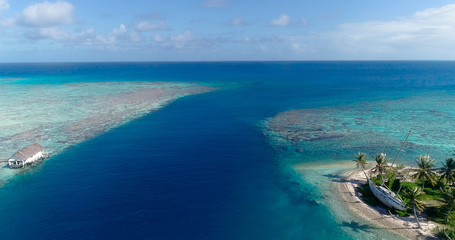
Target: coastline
(342,198)
(403,226)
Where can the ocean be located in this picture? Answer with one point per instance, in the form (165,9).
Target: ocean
(206,165)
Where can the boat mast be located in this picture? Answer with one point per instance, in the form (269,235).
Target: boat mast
(404,179)
(398,153)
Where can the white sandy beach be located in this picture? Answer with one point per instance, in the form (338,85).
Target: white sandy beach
(342,198)
(404,226)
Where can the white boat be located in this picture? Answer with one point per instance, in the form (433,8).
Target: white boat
(386,196)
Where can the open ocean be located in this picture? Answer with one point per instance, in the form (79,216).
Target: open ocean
(201,167)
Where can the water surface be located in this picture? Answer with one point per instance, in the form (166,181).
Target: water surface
(205,166)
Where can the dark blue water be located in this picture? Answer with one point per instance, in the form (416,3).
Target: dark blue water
(201,167)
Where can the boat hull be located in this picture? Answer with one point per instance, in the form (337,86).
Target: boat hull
(386,196)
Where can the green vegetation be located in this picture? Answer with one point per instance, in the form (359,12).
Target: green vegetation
(425,171)
(361,160)
(449,199)
(430,191)
(381,165)
(415,202)
(448,171)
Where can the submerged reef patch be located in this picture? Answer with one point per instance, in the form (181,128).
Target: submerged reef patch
(61,115)
(371,127)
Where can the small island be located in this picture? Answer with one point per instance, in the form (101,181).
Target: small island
(427,192)
(314,140)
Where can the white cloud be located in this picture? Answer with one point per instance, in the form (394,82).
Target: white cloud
(183,39)
(48,14)
(158,38)
(283,20)
(4,5)
(427,34)
(54,33)
(186,40)
(120,30)
(119,38)
(8,22)
(149,26)
(216,3)
(122,34)
(237,21)
(294,44)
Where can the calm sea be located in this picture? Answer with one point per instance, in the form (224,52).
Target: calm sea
(200,168)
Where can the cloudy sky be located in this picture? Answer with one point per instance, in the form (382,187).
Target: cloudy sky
(226,30)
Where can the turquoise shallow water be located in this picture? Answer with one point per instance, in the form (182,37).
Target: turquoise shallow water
(59,116)
(207,166)
(371,127)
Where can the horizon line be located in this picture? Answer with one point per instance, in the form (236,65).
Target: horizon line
(222,61)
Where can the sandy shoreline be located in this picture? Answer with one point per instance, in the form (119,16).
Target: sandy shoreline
(337,181)
(378,216)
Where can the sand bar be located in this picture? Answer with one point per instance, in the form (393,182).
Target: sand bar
(341,193)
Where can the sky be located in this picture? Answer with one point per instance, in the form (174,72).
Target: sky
(225,30)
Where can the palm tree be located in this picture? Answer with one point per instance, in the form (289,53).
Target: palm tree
(381,164)
(448,195)
(414,202)
(360,160)
(425,171)
(448,170)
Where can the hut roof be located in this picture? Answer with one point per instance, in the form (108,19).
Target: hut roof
(29,151)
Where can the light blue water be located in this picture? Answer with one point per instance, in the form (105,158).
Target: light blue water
(200,168)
